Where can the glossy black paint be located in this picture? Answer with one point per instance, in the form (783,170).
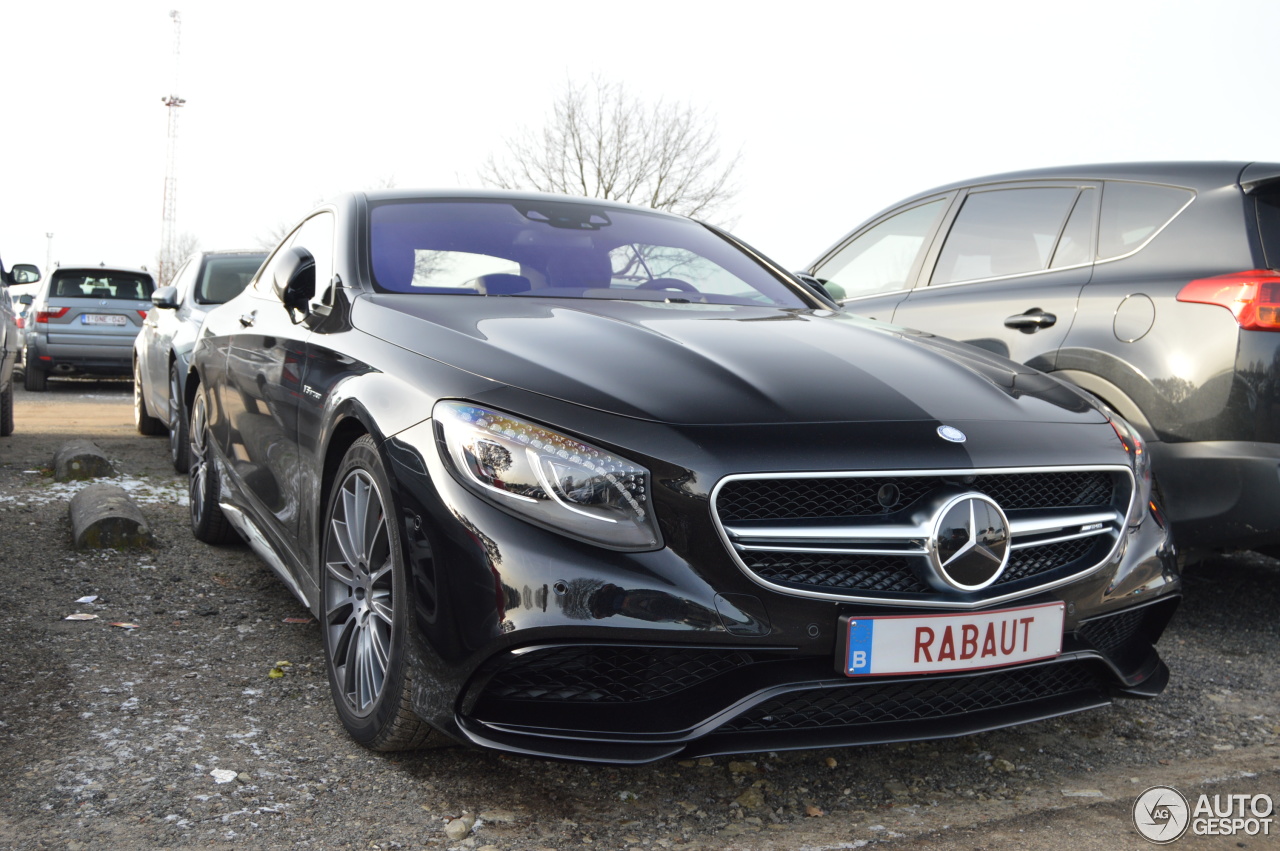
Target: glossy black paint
(693,394)
(1198,387)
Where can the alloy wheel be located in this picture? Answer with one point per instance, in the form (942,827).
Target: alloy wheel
(360,615)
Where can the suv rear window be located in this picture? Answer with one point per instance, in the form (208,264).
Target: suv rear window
(1269,227)
(1132,213)
(109,285)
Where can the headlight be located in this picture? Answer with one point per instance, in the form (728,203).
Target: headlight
(1140,458)
(548,478)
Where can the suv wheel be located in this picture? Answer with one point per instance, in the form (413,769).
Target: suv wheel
(145,423)
(34,378)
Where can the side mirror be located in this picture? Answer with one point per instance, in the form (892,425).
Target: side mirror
(24,273)
(818,287)
(166,297)
(294,281)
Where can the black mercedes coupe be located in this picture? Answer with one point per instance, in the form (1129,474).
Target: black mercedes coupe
(576,479)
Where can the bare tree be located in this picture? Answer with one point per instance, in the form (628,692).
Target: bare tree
(167,265)
(601,141)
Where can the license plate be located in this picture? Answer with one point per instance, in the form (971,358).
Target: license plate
(102,319)
(914,644)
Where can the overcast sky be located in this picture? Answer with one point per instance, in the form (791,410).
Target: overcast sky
(838,109)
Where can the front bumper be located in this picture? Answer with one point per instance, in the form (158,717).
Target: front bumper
(541,645)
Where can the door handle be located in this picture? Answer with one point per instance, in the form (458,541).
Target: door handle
(1031,321)
(247,319)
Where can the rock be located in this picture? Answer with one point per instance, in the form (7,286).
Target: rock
(1003,765)
(459,827)
(104,516)
(897,789)
(498,816)
(743,768)
(831,762)
(80,459)
(751,799)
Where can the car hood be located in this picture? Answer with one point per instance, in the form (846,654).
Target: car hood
(717,364)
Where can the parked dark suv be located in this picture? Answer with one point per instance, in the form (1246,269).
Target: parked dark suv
(1151,285)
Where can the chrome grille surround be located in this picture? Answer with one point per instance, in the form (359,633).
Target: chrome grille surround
(861,534)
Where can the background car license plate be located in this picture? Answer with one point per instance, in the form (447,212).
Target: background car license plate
(912,644)
(102,319)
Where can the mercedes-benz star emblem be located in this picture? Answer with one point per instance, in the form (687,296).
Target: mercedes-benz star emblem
(969,546)
(952,434)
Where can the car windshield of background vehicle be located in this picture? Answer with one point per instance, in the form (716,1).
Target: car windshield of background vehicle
(224,277)
(1004,232)
(1132,213)
(561,249)
(92,285)
(880,259)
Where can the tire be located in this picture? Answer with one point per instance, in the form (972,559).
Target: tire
(208,523)
(142,420)
(179,433)
(34,379)
(6,411)
(365,612)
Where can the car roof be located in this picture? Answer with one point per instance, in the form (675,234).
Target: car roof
(1200,175)
(97,267)
(217,252)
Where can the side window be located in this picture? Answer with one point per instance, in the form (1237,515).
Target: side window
(1075,246)
(1004,232)
(880,259)
(1132,213)
(1269,227)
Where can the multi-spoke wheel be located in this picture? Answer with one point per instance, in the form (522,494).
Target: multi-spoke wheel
(365,609)
(208,523)
(143,421)
(179,441)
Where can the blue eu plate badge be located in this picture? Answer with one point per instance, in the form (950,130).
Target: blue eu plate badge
(858,655)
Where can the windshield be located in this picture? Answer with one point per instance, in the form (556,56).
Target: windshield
(561,249)
(112,285)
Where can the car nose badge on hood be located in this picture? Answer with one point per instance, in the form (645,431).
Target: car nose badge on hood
(951,433)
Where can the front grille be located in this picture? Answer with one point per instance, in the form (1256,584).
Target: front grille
(886,574)
(1083,489)
(1108,634)
(849,496)
(610,674)
(788,499)
(915,700)
(1033,561)
(866,537)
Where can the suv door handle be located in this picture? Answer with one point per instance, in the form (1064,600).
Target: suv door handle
(247,319)
(1031,321)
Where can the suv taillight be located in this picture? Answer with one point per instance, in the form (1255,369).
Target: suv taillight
(55,313)
(1253,297)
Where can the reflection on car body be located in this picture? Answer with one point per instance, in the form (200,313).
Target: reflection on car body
(572,478)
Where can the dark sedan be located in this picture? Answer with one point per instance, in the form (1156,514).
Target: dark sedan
(577,479)
(1154,286)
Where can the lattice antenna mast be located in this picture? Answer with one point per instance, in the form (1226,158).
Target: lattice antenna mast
(169,214)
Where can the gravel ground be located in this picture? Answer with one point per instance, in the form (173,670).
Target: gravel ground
(210,724)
